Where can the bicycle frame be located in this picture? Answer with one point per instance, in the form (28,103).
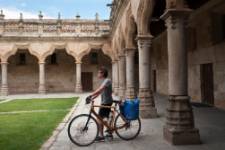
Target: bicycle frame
(113,111)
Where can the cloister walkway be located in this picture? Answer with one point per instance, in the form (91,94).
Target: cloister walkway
(209,120)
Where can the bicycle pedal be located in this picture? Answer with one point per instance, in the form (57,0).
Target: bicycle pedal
(108,139)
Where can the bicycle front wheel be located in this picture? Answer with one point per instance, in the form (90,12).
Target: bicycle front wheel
(83,130)
(127,129)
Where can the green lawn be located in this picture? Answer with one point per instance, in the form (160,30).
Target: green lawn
(37,104)
(28,131)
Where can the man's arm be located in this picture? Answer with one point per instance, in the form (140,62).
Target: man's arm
(97,92)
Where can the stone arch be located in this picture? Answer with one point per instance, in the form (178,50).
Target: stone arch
(130,30)
(144,14)
(157,24)
(107,50)
(60,70)
(23,65)
(98,55)
(8,50)
(78,50)
(120,40)
(41,50)
(115,47)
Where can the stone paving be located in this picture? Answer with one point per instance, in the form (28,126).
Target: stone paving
(209,120)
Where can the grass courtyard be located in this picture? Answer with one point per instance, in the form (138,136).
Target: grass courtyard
(27,124)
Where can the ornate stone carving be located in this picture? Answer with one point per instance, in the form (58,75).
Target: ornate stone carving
(50,28)
(147,105)
(179,128)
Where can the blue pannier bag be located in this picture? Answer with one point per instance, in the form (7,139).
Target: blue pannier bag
(130,109)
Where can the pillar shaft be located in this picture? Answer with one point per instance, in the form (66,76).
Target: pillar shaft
(113,75)
(4,87)
(179,128)
(42,88)
(147,106)
(116,77)
(122,76)
(78,87)
(130,71)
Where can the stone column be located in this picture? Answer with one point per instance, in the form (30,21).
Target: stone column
(179,128)
(113,75)
(78,88)
(147,105)
(130,90)
(116,77)
(42,89)
(4,87)
(122,76)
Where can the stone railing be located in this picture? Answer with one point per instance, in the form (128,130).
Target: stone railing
(53,27)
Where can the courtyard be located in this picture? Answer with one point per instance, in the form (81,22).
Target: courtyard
(32,125)
(167,53)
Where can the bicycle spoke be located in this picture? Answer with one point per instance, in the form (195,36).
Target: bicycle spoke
(81,132)
(127,130)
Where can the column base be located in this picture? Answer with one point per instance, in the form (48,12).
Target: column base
(179,129)
(182,137)
(78,89)
(147,104)
(4,91)
(42,89)
(121,93)
(116,91)
(130,93)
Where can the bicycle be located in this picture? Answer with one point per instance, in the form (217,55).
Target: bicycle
(83,129)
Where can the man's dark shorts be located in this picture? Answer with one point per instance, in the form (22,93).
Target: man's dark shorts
(104,112)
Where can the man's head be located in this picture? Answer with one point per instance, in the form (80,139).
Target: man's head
(102,73)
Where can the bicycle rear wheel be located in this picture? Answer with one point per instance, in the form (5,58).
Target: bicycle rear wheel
(127,129)
(83,130)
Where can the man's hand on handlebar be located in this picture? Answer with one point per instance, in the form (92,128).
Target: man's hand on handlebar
(88,99)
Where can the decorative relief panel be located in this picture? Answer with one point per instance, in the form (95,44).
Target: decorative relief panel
(83,28)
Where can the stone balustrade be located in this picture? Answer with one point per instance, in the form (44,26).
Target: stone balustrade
(53,27)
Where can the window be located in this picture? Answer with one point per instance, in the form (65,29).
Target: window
(53,59)
(94,58)
(22,59)
(218,28)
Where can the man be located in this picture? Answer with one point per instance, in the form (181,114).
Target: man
(105,90)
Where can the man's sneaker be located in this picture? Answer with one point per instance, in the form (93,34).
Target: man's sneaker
(99,138)
(109,136)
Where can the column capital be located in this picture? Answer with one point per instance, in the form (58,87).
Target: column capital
(4,62)
(78,62)
(144,41)
(171,16)
(41,62)
(121,55)
(130,51)
(113,61)
(147,37)
(184,12)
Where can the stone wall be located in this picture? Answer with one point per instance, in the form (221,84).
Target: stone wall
(103,60)
(60,77)
(201,50)
(23,78)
